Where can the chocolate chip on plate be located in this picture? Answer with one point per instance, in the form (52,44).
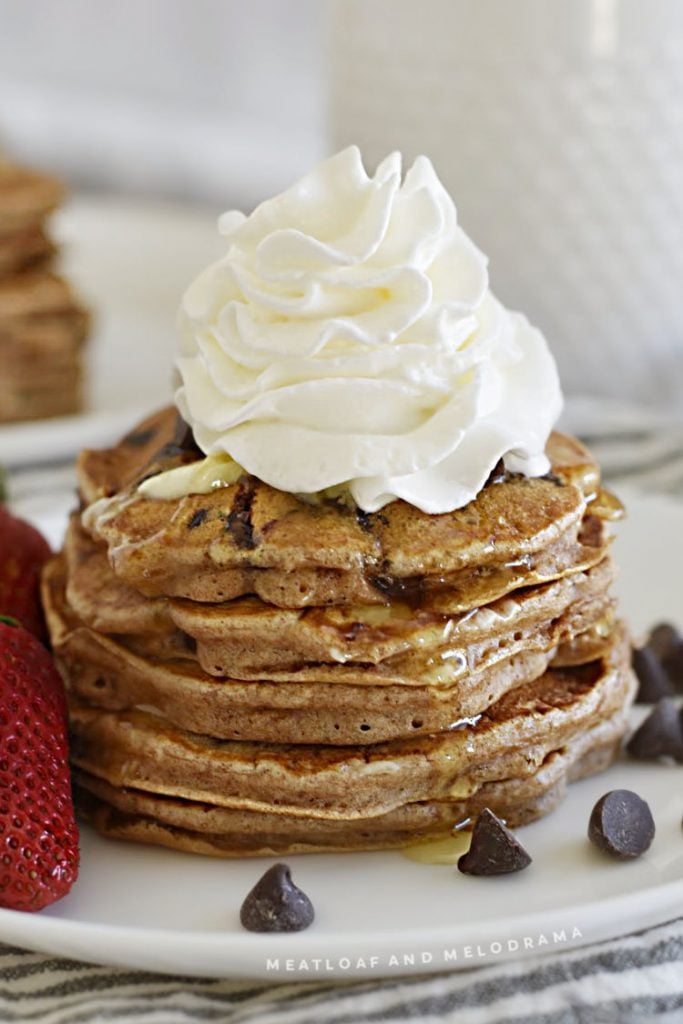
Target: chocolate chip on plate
(653,679)
(275,904)
(667,643)
(662,638)
(660,735)
(621,824)
(494,850)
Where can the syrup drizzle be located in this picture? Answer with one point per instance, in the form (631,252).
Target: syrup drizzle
(442,849)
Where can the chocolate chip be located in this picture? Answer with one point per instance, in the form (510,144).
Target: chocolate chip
(409,589)
(198,518)
(275,904)
(553,478)
(660,735)
(353,630)
(659,664)
(494,850)
(673,663)
(667,643)
(238,522)
(621,824)
(653,679)
(497,474)
(364,520)
(663,637)
(189,643)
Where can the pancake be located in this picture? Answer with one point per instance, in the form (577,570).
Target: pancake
(26,196)
(53,337)
(140,816)
(248,538)
(159,441)
(512,738)
(450,661)
(106,603)
(99,599)
(42,323)
(105,672)
(250,639)
(41,350)
(25,401)
(396,647)
(32,294)
(26,247)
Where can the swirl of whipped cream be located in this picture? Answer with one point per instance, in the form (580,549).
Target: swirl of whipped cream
(348,336)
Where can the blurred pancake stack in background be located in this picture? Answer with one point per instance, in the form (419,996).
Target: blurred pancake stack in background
(42,324)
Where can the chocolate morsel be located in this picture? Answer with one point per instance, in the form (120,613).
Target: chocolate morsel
(660,735)
(275,904)
(621,824)
(494,850)
(653,679)
(667,643)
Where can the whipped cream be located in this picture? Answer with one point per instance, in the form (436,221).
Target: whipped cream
(349,337)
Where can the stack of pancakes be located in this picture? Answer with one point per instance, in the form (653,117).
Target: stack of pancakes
(254,673)
(42,326)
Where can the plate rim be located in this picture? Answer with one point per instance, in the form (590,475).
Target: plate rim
(157,949)
(234,954)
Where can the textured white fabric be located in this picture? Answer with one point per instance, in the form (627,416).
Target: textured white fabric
(556,128)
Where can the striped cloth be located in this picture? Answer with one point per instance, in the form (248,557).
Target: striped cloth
(631,980)
(633,445)
(628,981)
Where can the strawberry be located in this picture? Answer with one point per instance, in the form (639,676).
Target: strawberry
(23,552)
(38,831)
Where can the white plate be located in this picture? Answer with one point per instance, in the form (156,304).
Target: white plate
(380,913)
(130,263)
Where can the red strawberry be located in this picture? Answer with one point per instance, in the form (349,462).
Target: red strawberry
(38,831)
(23,552)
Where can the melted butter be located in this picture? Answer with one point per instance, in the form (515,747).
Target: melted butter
(200,477)
(598,631)
(340,493)
(442,850)
(603,627)
(368,615)
(463,788)
(104,509)
(220,470)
